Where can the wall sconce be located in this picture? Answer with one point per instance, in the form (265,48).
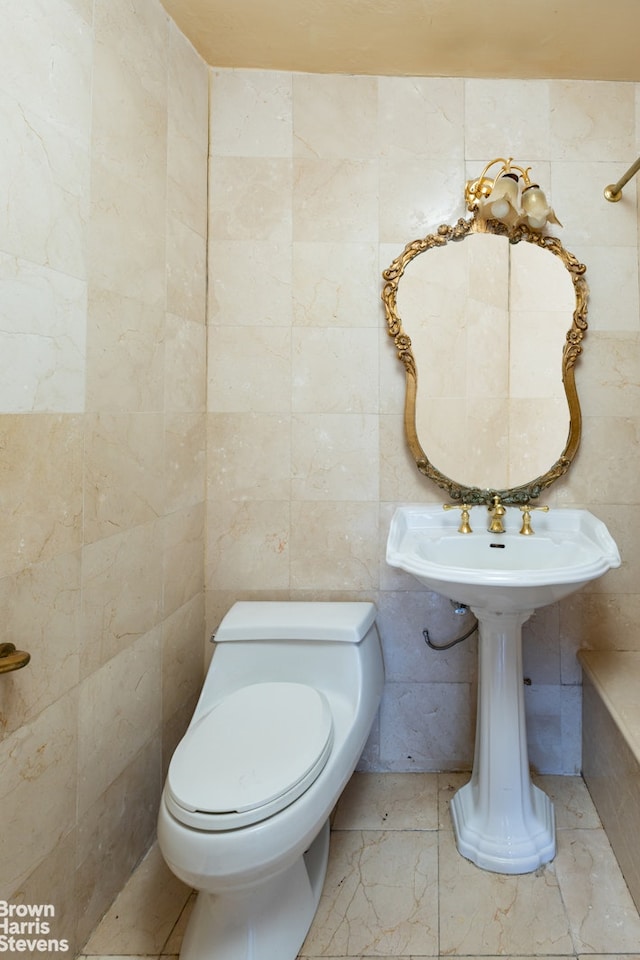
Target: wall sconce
(509,197)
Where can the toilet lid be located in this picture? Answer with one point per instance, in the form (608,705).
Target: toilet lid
(252,755)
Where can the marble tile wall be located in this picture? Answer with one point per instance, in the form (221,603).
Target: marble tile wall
(610,754)
(316,184)
(102,435)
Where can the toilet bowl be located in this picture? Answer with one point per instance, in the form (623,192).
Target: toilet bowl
(286,708)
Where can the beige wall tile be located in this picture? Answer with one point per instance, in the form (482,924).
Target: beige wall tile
(335,284)
(182,655)
(249,369)
(612,276)
(184,460)
(53,881)
(119,711)
(495,107)
(249,456)
(248,546)
(324,361)
(47,208)
(183,556)
(41,614)
(440,738)
(334,546)
(250,284)
(440,104)
(41,479)
(187,133)
(335,116)
(402,618)
(105,110)
(416,196)
(186,272)
(122,579)
(335,200)
(55,40)
(114,833)
(185,380)
(331,457)
(125,480)
(253,113)
(580,128)
(125,358)
(38,760)
(252,199)
(126,237)
(42,344)
(571,183)
(129,130)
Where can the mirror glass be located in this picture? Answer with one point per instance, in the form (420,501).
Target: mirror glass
(489,330)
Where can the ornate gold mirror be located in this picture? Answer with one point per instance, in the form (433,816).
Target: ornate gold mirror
(484,318)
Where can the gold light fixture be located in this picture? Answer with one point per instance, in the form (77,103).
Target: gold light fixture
(509,197)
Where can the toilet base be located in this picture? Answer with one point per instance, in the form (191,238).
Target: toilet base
(268,921)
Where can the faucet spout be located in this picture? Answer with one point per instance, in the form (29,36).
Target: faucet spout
(497,512)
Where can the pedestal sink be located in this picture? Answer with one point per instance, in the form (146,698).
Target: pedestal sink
(502,821)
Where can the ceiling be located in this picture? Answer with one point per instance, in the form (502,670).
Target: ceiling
(557,39)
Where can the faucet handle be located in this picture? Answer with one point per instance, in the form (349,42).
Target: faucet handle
(526,508)
(464,527)
(497,512)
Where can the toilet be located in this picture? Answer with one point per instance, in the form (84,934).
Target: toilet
(286,708)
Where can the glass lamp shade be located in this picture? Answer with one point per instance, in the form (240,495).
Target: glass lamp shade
(536,208)
(503,200)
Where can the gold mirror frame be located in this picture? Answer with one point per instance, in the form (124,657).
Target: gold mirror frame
(572,349)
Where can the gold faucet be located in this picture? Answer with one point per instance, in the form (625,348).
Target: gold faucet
(526,529)
(497,512)
(465,526)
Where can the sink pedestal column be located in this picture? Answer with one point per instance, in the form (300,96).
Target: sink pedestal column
(502,821)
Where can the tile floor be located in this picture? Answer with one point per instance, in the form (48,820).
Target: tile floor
(396,887)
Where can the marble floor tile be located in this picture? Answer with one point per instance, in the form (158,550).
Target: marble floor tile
(601,913)
(497,914)
(571,799)
(448,785)
(172,946)
(380,896)
(388,801)
(397,888)
(144,913)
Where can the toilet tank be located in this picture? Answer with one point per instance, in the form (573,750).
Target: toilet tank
(332,646)
(347,622)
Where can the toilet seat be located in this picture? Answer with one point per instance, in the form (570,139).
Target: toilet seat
(253,754)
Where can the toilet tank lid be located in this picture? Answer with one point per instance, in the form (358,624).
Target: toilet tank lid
(296,620)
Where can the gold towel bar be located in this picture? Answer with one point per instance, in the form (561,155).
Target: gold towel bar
(614,191)
(12,659)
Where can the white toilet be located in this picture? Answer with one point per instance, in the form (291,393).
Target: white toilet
(284,713)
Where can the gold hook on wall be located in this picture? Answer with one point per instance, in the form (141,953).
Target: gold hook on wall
(614,191)
(12,659)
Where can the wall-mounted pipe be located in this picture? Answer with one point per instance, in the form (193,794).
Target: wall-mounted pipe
(614,191)
(12,659)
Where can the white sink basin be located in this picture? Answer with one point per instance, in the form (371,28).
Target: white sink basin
(504,572)
(502,821)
